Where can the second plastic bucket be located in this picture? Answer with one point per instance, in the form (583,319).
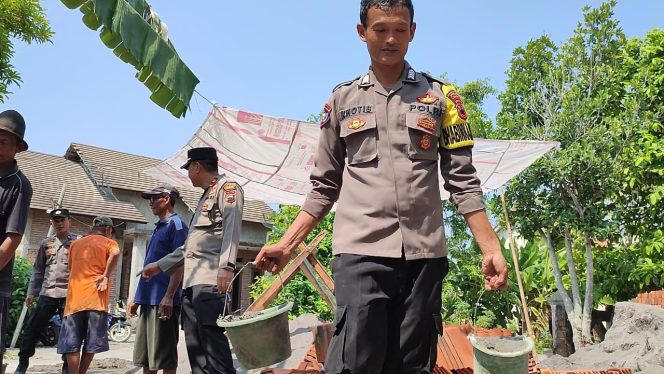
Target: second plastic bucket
(501,355)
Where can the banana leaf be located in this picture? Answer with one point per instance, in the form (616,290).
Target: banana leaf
(137,36)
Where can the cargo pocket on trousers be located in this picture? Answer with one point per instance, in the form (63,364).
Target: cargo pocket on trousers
(438,324)
(208,307)
(334,362)
(436,333)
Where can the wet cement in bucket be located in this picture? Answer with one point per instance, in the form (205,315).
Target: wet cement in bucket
(502,344)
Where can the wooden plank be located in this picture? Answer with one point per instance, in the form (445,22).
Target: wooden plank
(320,286)
(313,245)
(286,274)
(322,273)
(275,287)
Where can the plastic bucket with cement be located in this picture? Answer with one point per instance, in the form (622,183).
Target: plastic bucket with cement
(261,339)
(501,354)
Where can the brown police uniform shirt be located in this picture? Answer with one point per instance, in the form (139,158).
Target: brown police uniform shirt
(378,155)
(214,235)
(50,272)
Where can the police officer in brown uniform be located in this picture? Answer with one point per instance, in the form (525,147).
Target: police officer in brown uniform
(382,136)
(208,257)
(49,279)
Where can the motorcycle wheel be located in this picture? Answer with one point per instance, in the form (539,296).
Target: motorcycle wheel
(119,333)
(49,337)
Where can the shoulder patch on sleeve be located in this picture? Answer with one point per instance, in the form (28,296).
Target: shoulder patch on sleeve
(230,192)
(456,132)
(347,83)
(325,115)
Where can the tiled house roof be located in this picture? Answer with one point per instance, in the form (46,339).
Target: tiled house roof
(122,170)
(48,174)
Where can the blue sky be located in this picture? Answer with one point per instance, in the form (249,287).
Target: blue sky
(280,58)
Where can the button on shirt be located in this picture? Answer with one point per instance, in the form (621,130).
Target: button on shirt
(378,155)
(168,235)
(50,272)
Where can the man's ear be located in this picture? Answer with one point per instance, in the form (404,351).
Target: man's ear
(362,32)
(413,26)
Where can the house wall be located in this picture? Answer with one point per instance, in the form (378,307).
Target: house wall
(248,275)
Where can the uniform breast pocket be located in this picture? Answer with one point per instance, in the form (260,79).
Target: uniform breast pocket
(424,132)
(51,256)
(203,220)
(360,135)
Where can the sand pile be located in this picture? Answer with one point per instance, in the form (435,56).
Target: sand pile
(635,341)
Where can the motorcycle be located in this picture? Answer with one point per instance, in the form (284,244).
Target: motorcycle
(119,330)
(50,334)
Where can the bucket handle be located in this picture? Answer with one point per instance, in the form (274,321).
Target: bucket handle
(477,303)
(230,286)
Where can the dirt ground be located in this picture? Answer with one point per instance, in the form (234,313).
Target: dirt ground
(105,365)
(635,340)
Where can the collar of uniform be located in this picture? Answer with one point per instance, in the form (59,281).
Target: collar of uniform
(4,173)
(409,74)
(367,79)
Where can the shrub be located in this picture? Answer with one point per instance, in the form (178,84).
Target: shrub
(20,280)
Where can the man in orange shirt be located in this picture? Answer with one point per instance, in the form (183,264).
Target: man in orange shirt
(91,261)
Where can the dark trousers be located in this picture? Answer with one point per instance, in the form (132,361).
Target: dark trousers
(388,315)
(36,323)
(4,310)
(207,346)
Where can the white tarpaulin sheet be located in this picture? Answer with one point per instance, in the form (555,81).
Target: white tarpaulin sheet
(272,157)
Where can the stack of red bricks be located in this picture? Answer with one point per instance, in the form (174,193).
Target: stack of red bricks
(651,298)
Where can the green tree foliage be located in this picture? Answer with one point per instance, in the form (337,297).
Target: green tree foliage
(637,264)
(304,296)
(23,20)
(600,97)
(20,280)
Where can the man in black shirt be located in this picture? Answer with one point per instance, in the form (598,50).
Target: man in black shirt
(15,195)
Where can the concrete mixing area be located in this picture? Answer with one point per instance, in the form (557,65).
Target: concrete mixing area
(635,340)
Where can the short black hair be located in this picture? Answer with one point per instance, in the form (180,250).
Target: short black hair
(365,5)
(171,200)
(209,165)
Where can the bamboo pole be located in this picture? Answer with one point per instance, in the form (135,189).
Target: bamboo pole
(517,270)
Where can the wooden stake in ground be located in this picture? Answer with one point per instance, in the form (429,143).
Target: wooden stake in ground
(515,259)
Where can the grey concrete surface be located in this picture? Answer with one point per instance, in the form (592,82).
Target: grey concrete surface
(46,359)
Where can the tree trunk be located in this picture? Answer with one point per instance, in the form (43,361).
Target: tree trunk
(573,314)
(574,279)
(588,300)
